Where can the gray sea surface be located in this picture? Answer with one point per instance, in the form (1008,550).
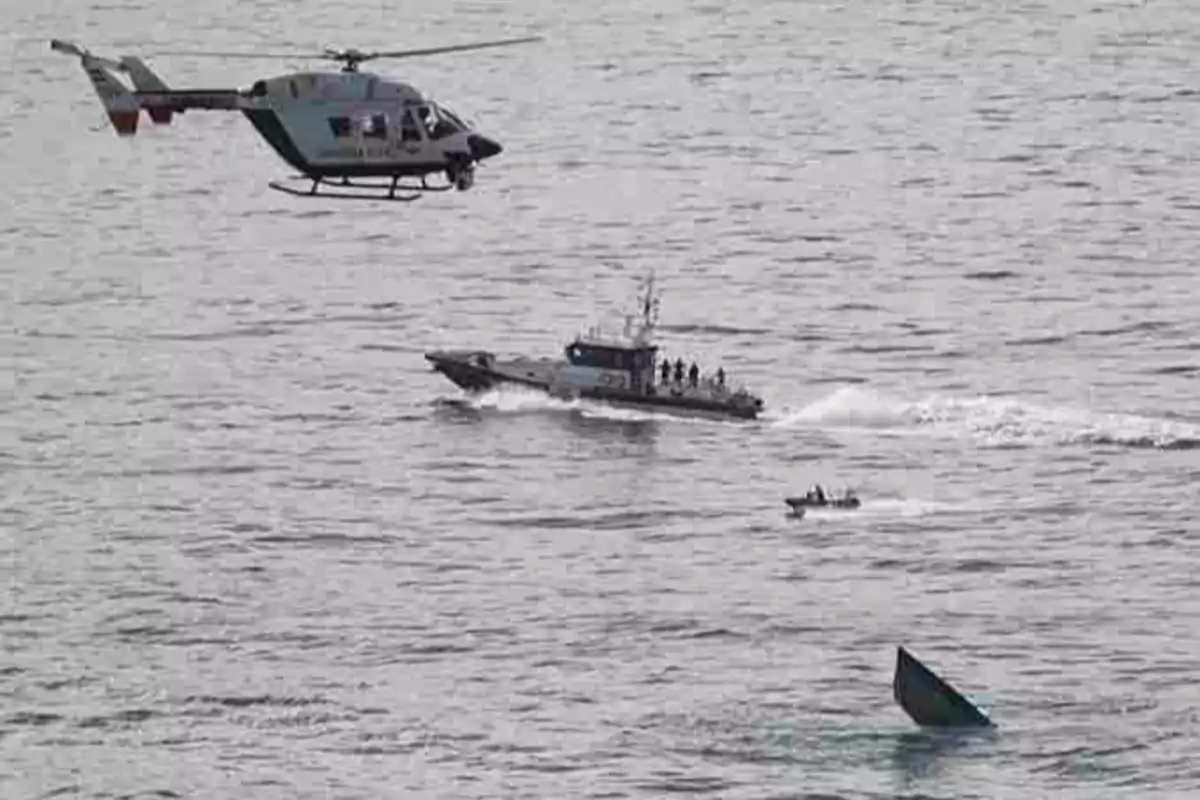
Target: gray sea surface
(254,548)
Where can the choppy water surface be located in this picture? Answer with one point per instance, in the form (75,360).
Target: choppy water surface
(253,548)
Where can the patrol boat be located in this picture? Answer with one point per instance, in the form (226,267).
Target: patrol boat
(617,370)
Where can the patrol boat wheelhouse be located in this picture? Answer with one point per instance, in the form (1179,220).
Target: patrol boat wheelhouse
(619,370)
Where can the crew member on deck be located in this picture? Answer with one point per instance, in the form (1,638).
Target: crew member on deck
(694,375)
(720,377)
(666,371)
(679,371)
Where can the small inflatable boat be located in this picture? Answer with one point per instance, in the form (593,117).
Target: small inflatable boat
(819,498)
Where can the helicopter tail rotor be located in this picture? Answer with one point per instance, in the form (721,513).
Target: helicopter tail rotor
(67,48)
(120,104)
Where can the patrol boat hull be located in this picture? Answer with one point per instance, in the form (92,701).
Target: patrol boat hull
(478,371)
(620,370)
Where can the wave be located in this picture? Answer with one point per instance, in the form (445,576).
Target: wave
(522,400)
(991,420)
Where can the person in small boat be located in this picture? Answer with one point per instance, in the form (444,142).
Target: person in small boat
(694,375)
(720,378)
(679,371)
(817,494)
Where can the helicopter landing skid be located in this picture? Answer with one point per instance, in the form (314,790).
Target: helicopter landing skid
(340,189)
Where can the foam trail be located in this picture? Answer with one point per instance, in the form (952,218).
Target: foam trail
(850,407)
(903,507)
(517,400)
(1015,422)
(630,414)
(512,399)
(993,421)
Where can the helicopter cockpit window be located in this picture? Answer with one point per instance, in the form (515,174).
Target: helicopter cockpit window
(452,117)
(439,124)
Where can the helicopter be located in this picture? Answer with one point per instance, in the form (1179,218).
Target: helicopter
(337,129)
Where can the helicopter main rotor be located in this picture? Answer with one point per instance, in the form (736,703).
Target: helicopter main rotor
(351,58)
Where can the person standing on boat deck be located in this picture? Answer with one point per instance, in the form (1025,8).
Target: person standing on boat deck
(720,377)
(694,375)
(679,371)
(666,371)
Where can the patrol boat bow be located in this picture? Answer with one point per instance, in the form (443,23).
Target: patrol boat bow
(615,370)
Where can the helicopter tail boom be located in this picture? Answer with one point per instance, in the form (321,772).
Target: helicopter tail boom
(150,92)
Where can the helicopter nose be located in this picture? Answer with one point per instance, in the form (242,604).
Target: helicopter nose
(482,147)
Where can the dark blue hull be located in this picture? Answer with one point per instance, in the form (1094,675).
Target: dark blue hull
(929,700)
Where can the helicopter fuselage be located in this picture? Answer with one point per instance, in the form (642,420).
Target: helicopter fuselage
(332,127)
(353,124)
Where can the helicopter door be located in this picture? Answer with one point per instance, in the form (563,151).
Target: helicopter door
(372,131)
(411,139)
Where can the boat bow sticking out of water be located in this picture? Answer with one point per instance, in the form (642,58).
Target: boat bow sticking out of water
(619,370)
(929,700)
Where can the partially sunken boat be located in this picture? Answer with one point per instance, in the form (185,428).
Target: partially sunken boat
(618,370)
(929,700)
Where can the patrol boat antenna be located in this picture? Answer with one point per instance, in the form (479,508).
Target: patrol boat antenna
(649,303)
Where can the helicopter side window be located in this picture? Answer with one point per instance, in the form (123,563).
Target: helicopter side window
(339,126)
(375,126)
